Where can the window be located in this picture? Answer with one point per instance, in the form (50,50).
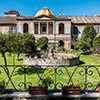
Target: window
(76,31)
(13,29)
(25,28)
(97,29)
(44,29)
(61,43)
(61,28)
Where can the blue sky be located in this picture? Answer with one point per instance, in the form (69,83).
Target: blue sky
(67,7)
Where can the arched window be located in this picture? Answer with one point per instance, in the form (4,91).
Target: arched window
(25,28)
(61,43)
(61,28)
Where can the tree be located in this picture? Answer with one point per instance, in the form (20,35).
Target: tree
(19,45)
(28,43)
(96,44)
(6,46)
(86,41)
(42,43)
(16,43)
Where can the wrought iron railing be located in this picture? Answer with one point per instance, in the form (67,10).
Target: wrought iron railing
(20,77)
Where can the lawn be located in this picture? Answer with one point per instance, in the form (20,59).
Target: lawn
(61,75)
(90,59)
(11,59)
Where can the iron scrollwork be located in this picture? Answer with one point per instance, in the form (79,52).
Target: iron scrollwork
(55,71)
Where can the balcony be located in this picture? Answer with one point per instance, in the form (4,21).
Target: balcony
(55,96)
(21,76)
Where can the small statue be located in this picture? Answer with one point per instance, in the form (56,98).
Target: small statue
(51,52)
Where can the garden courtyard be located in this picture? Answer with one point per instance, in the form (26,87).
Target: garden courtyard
(19,80)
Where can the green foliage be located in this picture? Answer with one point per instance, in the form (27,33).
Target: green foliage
(5,46)
(89,32)
(28,71)
(86,41)
(82,45)
(4,43)
(28,43)
(96,44)
(73,51)
(16,41)
(10,42)
(47,80)
(42,43)
(61,48)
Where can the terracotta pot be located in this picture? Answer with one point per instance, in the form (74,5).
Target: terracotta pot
(71,91)
(99,89)
(37,90)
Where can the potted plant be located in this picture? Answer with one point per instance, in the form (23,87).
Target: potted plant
(42,89)
(72,89)
(2,86)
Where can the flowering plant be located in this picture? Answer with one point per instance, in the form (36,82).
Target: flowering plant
(78,84)
(73,86)
(74,89)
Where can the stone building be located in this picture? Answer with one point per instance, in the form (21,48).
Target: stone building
(60,30)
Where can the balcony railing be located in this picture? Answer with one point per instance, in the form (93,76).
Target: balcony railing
(19,77)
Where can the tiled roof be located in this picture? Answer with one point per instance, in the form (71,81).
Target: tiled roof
(85,19)
(74,19)
(13,12)
(7,20)
(24,18)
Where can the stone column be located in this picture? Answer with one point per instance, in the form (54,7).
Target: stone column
(53,27)
(57,27)
(54,34)
(38,27)
(20,27)
(31,28)
(47,27)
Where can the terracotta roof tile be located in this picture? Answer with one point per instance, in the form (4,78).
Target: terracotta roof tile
(13,12)
(85,19)
(7,20)
(74,19)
